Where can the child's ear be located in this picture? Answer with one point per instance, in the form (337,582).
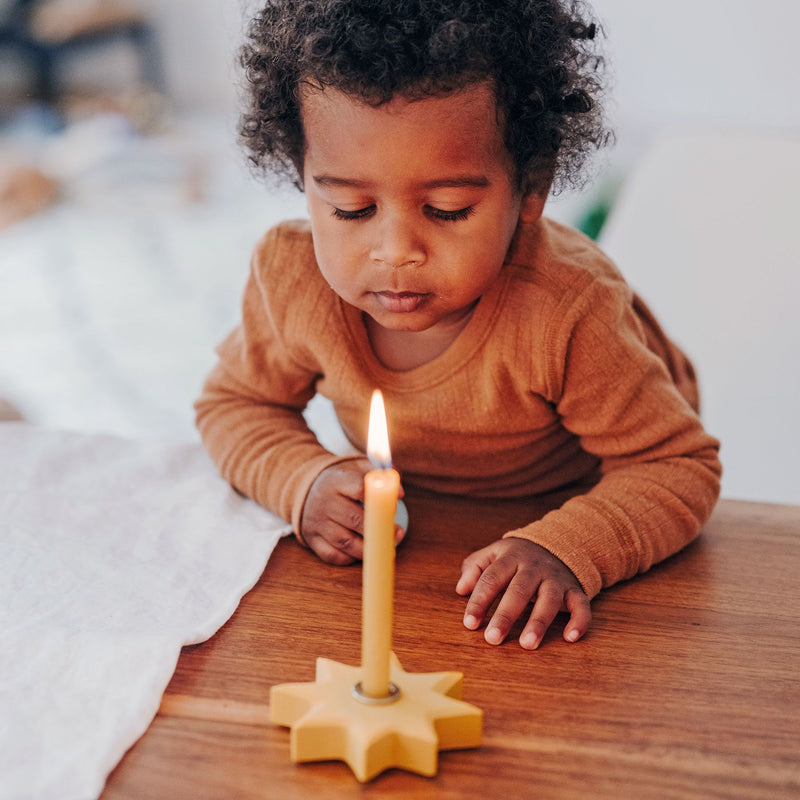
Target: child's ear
(532,206)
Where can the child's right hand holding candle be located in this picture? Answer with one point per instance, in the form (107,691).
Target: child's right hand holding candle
(332,524)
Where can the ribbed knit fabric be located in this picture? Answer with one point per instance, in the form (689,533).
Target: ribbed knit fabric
(561,378)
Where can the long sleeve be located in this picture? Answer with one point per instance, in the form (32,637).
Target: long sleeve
(250,410)
(660,469)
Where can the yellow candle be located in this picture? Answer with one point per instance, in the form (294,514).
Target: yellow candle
(381,490)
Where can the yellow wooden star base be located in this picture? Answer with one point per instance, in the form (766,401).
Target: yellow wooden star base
(328,721)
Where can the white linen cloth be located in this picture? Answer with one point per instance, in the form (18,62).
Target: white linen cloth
(113,555)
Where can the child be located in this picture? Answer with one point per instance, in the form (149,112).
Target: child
(513,358)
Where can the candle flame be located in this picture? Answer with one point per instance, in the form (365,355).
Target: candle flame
(378,436)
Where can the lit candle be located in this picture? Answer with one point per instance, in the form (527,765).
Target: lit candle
(381,490)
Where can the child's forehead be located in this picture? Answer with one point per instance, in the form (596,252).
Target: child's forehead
(451,135)
(321,106)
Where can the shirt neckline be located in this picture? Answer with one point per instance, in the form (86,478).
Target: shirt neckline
(463,347)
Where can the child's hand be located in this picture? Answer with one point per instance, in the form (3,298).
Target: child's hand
(332,523)
(521,571)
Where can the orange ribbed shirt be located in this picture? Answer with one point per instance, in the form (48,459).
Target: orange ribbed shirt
(560,378)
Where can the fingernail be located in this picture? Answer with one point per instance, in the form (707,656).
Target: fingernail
(471,622)
(572,636)
(493,636)
(529,641)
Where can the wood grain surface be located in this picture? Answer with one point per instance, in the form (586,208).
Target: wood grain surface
(686,686)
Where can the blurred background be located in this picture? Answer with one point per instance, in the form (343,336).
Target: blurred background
(127,214)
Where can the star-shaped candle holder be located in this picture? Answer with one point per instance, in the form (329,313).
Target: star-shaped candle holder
(330,721)
(377,716)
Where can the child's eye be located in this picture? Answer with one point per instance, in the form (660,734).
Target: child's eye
(359,213)
(451,216)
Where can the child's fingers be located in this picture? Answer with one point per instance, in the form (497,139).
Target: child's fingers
(472,568)
(334,531)
(492,582)
(336,546)
(470,574)
(548,603)
(345,539)
(519,570)
(348,515)
(580,615)
(515,598)
(329,554)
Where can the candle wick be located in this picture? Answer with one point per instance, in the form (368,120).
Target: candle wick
(378,462)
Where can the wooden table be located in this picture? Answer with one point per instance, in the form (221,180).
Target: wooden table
(687,685)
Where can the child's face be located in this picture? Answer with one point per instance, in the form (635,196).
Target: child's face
(412,205)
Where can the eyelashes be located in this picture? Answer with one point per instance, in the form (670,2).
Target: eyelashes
(435,213)
(360,213)
(451,216)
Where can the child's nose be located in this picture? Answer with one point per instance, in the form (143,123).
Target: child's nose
(397,243)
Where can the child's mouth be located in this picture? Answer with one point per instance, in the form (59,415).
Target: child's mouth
(400,302)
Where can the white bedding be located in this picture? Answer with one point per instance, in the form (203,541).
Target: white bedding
(112,300)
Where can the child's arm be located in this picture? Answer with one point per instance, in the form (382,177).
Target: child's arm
(250,412)
(262,445)
(660,475)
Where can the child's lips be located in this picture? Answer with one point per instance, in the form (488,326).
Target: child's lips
(400,302)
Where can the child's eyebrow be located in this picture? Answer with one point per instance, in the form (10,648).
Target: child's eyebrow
(456,182)
(477,181)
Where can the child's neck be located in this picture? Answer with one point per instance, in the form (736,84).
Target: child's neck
(405,350)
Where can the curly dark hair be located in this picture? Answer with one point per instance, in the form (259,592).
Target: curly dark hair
(541,56)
